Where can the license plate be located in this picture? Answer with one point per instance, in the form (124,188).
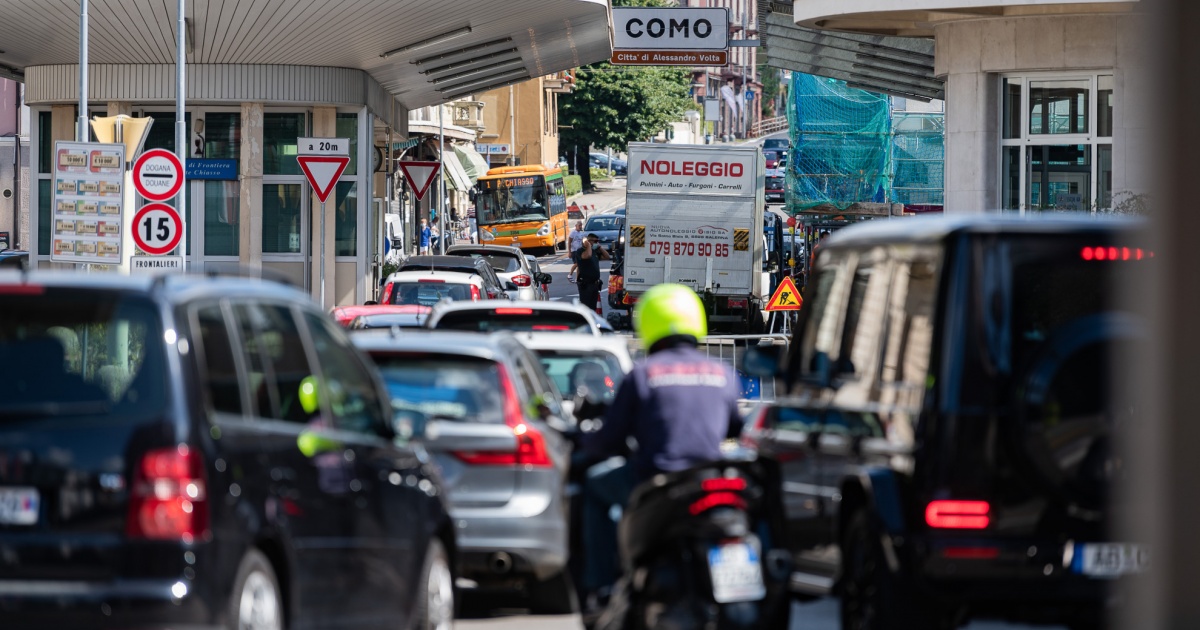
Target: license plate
(1109,560)
(737,302)
(736,573)
(19,506)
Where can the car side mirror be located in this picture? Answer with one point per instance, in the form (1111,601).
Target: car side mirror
(544,278)
(370,303)
(509,286)
(764,360)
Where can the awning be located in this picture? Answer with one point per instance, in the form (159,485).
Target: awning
(473,164)
(453,171)
(900,66)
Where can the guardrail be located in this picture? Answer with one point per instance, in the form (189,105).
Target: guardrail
(768,126)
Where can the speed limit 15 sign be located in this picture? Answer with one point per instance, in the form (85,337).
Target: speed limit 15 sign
(157,229)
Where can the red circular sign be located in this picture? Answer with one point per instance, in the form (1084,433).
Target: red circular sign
(157,229)
(158,175)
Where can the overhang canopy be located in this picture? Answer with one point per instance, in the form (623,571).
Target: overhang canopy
(900,66)
(422,52)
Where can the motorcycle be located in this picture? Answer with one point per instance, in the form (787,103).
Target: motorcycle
(702,548)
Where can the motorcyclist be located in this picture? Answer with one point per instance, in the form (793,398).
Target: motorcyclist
(676,403)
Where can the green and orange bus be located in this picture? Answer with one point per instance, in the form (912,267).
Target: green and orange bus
(524,206)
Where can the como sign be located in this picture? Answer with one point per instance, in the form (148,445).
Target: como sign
(682,28)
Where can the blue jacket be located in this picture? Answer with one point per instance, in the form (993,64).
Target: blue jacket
(426,234)
(678,404)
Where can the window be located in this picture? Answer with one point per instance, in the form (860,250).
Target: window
(280,134)
(221,383)
(45,225)
(910,321)
(161,134)
(820,324)
(45,143)
(221,213)
(222,135)
(348,390)
(282,206)
(347,127)
(1056,153)
(450,387)
(864,319)
(345,219)
(275,360)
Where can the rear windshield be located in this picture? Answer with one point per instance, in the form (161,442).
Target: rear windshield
(603,223)
(426,387)
(387,320)
(427,293)
(502,263)
(79,352)
(774,183)
(527,320)
(463,268)
(598,372)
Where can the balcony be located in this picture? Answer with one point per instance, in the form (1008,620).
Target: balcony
(468,114)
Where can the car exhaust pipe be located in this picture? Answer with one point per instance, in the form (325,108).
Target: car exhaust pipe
(500,563)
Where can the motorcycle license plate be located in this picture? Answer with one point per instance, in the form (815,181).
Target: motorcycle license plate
(736,573)
(19,506)
(1109,560)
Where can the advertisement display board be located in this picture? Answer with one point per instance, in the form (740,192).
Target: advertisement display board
(86,218)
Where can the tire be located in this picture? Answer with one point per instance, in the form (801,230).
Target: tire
(873,598)
(257,601)
(434,609)
(555,596)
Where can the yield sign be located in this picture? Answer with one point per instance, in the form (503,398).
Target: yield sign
(420,175)
(786,297)
(323,172)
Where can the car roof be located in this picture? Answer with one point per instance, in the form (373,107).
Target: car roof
(433,261)
(449,275)
(487,346)
(173,287)
(577,343)
(486,305)
(937,229)
(493,249)
(363,310)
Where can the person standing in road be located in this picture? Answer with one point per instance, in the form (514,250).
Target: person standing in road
(426,236)
(575,243)
(590,256)
(677,403)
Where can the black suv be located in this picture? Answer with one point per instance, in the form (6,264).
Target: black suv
(203,453)
(947,450)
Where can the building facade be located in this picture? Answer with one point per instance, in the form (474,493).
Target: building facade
(524,118)
(14,166)
(730,84)
(1046,100)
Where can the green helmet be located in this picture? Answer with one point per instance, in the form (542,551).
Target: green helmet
(666,310)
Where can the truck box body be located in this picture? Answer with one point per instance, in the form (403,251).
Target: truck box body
(694,215)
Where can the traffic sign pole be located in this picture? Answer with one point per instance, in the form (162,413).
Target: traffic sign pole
(323,160)
(181,139)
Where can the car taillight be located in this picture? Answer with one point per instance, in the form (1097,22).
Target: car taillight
(387,293)
(437,280)
(22,289)
(958,514)
(475,294)
(513,311)
(1115,253)
(522,280)
(168,497)
(716,499)
(615,283)
(531,444)
(737,302)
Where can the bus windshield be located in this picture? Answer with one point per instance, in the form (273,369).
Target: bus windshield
(511,200)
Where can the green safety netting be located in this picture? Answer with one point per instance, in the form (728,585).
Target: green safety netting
(848,146)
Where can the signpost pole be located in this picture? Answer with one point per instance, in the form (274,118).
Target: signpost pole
(82,133)
(442,183)
(322,254)
(181,139)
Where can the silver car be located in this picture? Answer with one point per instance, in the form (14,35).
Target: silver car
(493,420)
(510,265)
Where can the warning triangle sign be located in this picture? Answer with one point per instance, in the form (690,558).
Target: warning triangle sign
(786,297)
(323,172)
(420,175)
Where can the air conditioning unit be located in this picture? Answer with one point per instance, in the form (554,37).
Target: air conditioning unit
(468,114)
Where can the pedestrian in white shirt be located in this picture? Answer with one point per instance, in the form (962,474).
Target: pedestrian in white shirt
(576,243)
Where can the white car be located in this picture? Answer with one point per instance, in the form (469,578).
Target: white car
(575,362)
(426,288)
(517,316)
(510,265)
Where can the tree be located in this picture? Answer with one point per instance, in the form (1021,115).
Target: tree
(611,106)
(770,89)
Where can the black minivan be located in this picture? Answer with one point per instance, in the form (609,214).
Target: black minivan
(947,448)
(193,452)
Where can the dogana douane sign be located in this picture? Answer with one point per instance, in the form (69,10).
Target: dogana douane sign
(87,212)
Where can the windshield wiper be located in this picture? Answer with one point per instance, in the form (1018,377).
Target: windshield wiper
(49,409)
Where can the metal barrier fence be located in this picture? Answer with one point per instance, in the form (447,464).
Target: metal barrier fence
(729,349)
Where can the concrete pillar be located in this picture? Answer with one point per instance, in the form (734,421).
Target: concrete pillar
(250,172)
(117,108)
(324,125)
(972,143)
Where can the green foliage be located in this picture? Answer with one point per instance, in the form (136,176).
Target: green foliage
(572,185)
(770,89)
(599,173)
(612,106)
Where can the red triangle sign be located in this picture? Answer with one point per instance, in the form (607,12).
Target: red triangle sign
(420,175)
(323,172)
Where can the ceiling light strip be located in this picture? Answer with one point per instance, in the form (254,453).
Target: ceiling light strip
(494,77)
(485,88)
(481,69)
(458,65)
(468,49)
(436,39)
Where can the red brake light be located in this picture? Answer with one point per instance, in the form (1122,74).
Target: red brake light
(22,289)
(1088,253)
(168,499)
(958,514)
(531,445)
(550,327)
(722,484)
(522,280)
(514,311)
(387,293)
(1114,253)
(431,280)
(716,499)
(475,294)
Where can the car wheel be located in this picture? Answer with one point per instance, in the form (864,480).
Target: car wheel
(435,593)
(872,597)
(257,602)
(555,596)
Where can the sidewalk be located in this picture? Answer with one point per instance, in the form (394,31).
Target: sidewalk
(608,195)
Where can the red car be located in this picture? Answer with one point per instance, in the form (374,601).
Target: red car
(346,314)
(772,158)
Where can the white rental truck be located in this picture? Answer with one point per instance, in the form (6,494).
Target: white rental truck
(694,215)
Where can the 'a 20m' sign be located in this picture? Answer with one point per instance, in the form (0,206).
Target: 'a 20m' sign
(683,28)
